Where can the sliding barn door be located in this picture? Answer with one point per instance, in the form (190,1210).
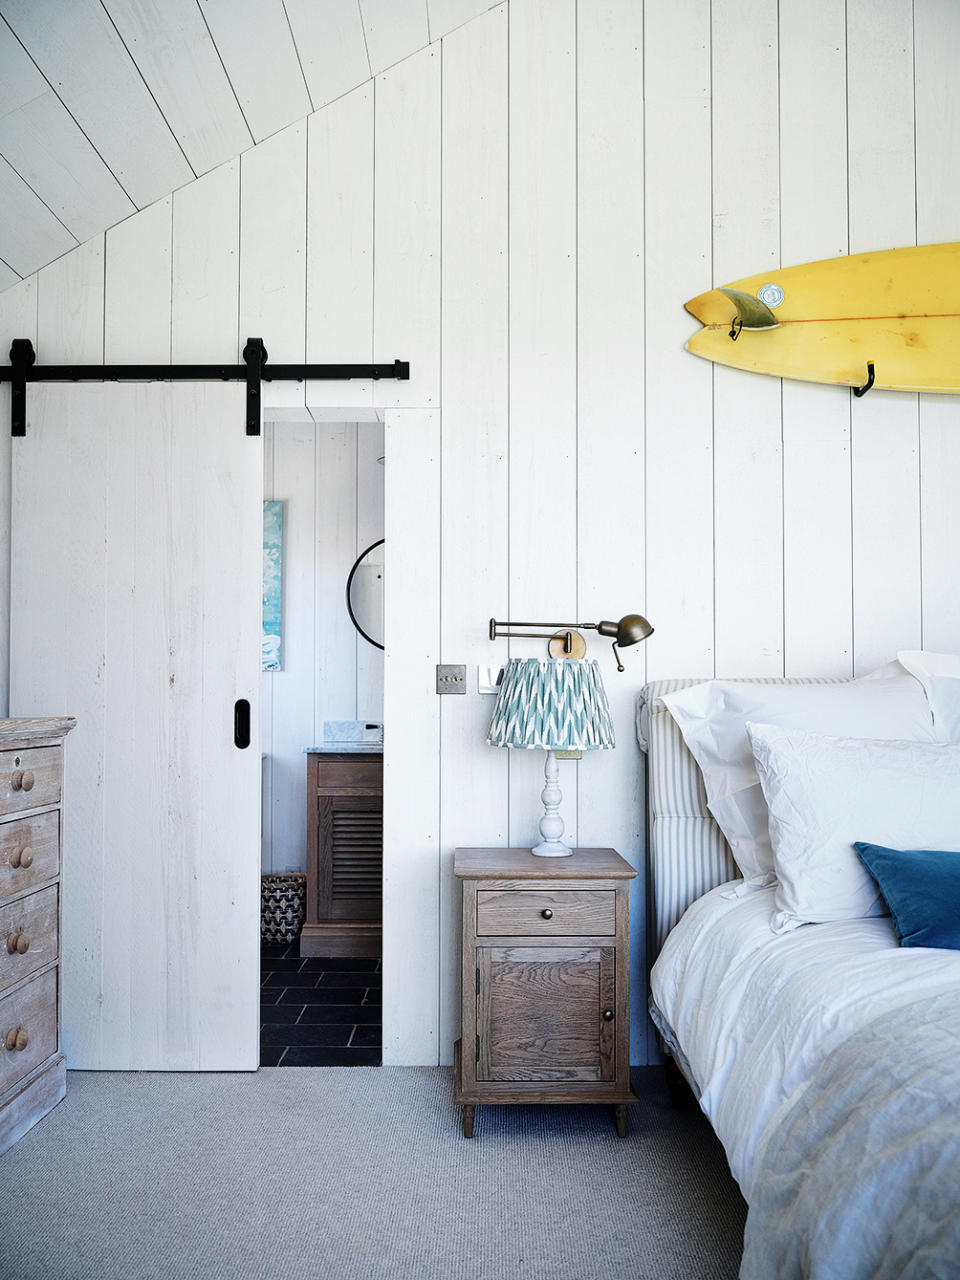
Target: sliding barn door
(135,606)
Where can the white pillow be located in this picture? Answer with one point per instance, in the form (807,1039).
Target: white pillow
(713,720)
(824,793)
(939,673)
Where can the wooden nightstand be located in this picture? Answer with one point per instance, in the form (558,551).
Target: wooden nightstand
(546,979)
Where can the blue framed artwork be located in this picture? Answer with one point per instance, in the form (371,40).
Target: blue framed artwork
(271,637)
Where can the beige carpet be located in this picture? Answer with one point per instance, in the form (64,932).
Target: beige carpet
(359,1172)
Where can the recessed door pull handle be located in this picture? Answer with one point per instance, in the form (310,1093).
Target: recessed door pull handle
(241,723)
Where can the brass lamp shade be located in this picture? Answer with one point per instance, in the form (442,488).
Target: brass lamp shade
(629,630)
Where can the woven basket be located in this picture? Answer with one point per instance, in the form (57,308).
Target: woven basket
(282,904)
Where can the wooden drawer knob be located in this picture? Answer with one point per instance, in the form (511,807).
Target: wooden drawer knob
(22,780)
(16,780)
(18,943)
(26,857)
(28,779)
(16,1040)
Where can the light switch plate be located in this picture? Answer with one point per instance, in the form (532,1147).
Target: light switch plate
(451,677)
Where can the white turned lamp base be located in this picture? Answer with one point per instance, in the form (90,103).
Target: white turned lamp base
(551,824)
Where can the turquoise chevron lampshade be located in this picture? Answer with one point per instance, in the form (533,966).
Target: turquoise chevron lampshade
(552,704)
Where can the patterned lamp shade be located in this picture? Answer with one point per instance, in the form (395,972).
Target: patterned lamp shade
(552,704)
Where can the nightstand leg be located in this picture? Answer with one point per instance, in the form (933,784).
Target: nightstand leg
(468,1121)
(620,1120)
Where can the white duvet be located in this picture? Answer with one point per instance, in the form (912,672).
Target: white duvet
(828,1062)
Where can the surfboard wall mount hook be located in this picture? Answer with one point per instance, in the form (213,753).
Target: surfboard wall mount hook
(735,328)
(862,391)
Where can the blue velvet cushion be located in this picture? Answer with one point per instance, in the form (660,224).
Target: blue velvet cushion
(922,889)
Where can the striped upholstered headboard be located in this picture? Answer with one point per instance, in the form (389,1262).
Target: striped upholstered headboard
(686,853)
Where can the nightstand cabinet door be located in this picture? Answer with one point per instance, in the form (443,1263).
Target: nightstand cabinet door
(546,1013)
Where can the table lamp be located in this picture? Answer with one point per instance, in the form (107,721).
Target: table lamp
(551,704)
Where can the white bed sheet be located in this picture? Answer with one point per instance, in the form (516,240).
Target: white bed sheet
(756,1013)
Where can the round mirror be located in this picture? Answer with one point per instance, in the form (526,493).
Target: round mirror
(365,594)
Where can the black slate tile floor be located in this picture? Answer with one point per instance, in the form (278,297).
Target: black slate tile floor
(317,1011)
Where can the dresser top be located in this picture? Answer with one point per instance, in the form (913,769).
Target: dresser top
(34,728)
(519,864)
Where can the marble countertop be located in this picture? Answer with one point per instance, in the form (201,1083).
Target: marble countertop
(346,748)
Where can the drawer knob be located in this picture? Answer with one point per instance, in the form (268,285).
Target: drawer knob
(26,857)
(18,943)
(17,1039)
(28,779)
(12,943)
(16,780)
(608,1015)
(547,913)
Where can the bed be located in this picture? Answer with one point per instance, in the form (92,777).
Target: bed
(825,1054)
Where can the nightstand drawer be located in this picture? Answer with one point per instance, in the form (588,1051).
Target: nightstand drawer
(28,935)
(546,912)
(30,778)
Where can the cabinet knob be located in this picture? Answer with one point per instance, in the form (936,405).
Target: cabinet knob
(608,1015)
(16,780)
(547,913)
(12,943)
(18,943)
(16,1039)
(28,779)
(26,857)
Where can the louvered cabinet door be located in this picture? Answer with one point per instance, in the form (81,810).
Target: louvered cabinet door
(351,872)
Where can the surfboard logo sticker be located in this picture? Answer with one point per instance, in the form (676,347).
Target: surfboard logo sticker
(771,294)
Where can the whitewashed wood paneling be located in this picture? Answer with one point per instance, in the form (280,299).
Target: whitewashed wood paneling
(747,466)
(411,716)
(254,39)
(610,436)
(936,49)
(137,309)
(206,269)
(180,65)
(406,311)
(340,242)
(885,448)
(70,307)
(82,54)
(394,29)
(543,357)
(679,389)
(817,549)
(474,478)
(331,46)
(46,146)
(30,234)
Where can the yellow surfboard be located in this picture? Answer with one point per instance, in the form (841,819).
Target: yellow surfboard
(889,319)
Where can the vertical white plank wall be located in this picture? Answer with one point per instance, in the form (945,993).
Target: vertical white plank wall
(747,464)
(885,445)
(679,390)
(543,357)
(610,428)
(817,552)
(474,492)
(574,205)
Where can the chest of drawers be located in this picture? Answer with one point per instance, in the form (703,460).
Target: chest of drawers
(32,1067)
(545,980)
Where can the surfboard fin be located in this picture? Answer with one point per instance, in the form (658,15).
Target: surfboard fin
(751,312)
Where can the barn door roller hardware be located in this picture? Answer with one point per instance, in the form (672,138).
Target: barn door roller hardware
(254,370)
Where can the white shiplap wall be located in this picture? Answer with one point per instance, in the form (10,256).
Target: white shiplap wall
(331,485)
(521,210)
